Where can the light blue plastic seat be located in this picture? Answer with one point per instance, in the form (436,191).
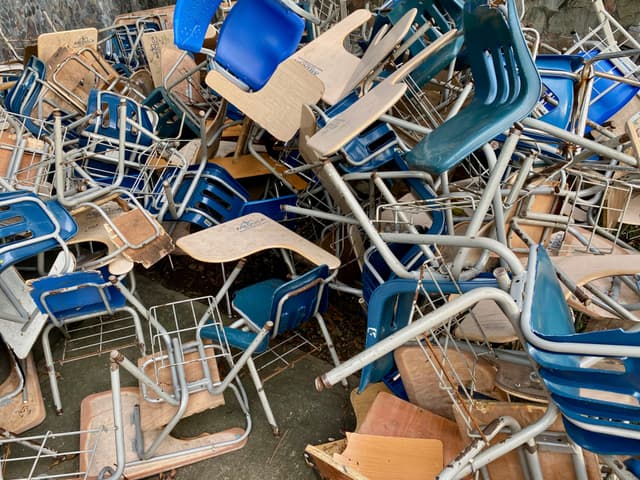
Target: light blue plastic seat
(507,88)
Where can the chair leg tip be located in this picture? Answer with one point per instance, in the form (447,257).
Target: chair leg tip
(276,431)
(59,411)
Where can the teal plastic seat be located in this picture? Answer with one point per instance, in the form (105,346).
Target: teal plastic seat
(443,16)
(288,305)
(507,88)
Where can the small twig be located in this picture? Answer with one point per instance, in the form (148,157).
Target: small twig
(275,450)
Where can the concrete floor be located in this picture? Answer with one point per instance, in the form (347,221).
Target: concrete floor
(305,416)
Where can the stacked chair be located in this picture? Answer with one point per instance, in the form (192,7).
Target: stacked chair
(481,185)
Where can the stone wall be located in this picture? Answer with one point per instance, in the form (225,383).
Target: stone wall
(558,18)
(25,19)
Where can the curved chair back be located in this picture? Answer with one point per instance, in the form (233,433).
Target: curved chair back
(217,197)
(507,88)
(22,97)
(106,122)
(171,119)
(389,310)
(443,15)
(559,85)
(254,38)
(599,403)
(29,226)
(75,294)
(191,18)
(298,300)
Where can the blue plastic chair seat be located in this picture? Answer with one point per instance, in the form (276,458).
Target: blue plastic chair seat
(236,338)
(83,301)
(255,37)
(571,383)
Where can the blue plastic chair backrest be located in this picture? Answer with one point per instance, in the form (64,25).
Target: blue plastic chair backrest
(443,15)
(559,87)
(22,96)
(106,123)
(171,118)
(217,197)
(27,226)
(299,300)
(191,18)
(75,294)
(566,377)
(255,37)
(389,310)
(507,88)
(271,207)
